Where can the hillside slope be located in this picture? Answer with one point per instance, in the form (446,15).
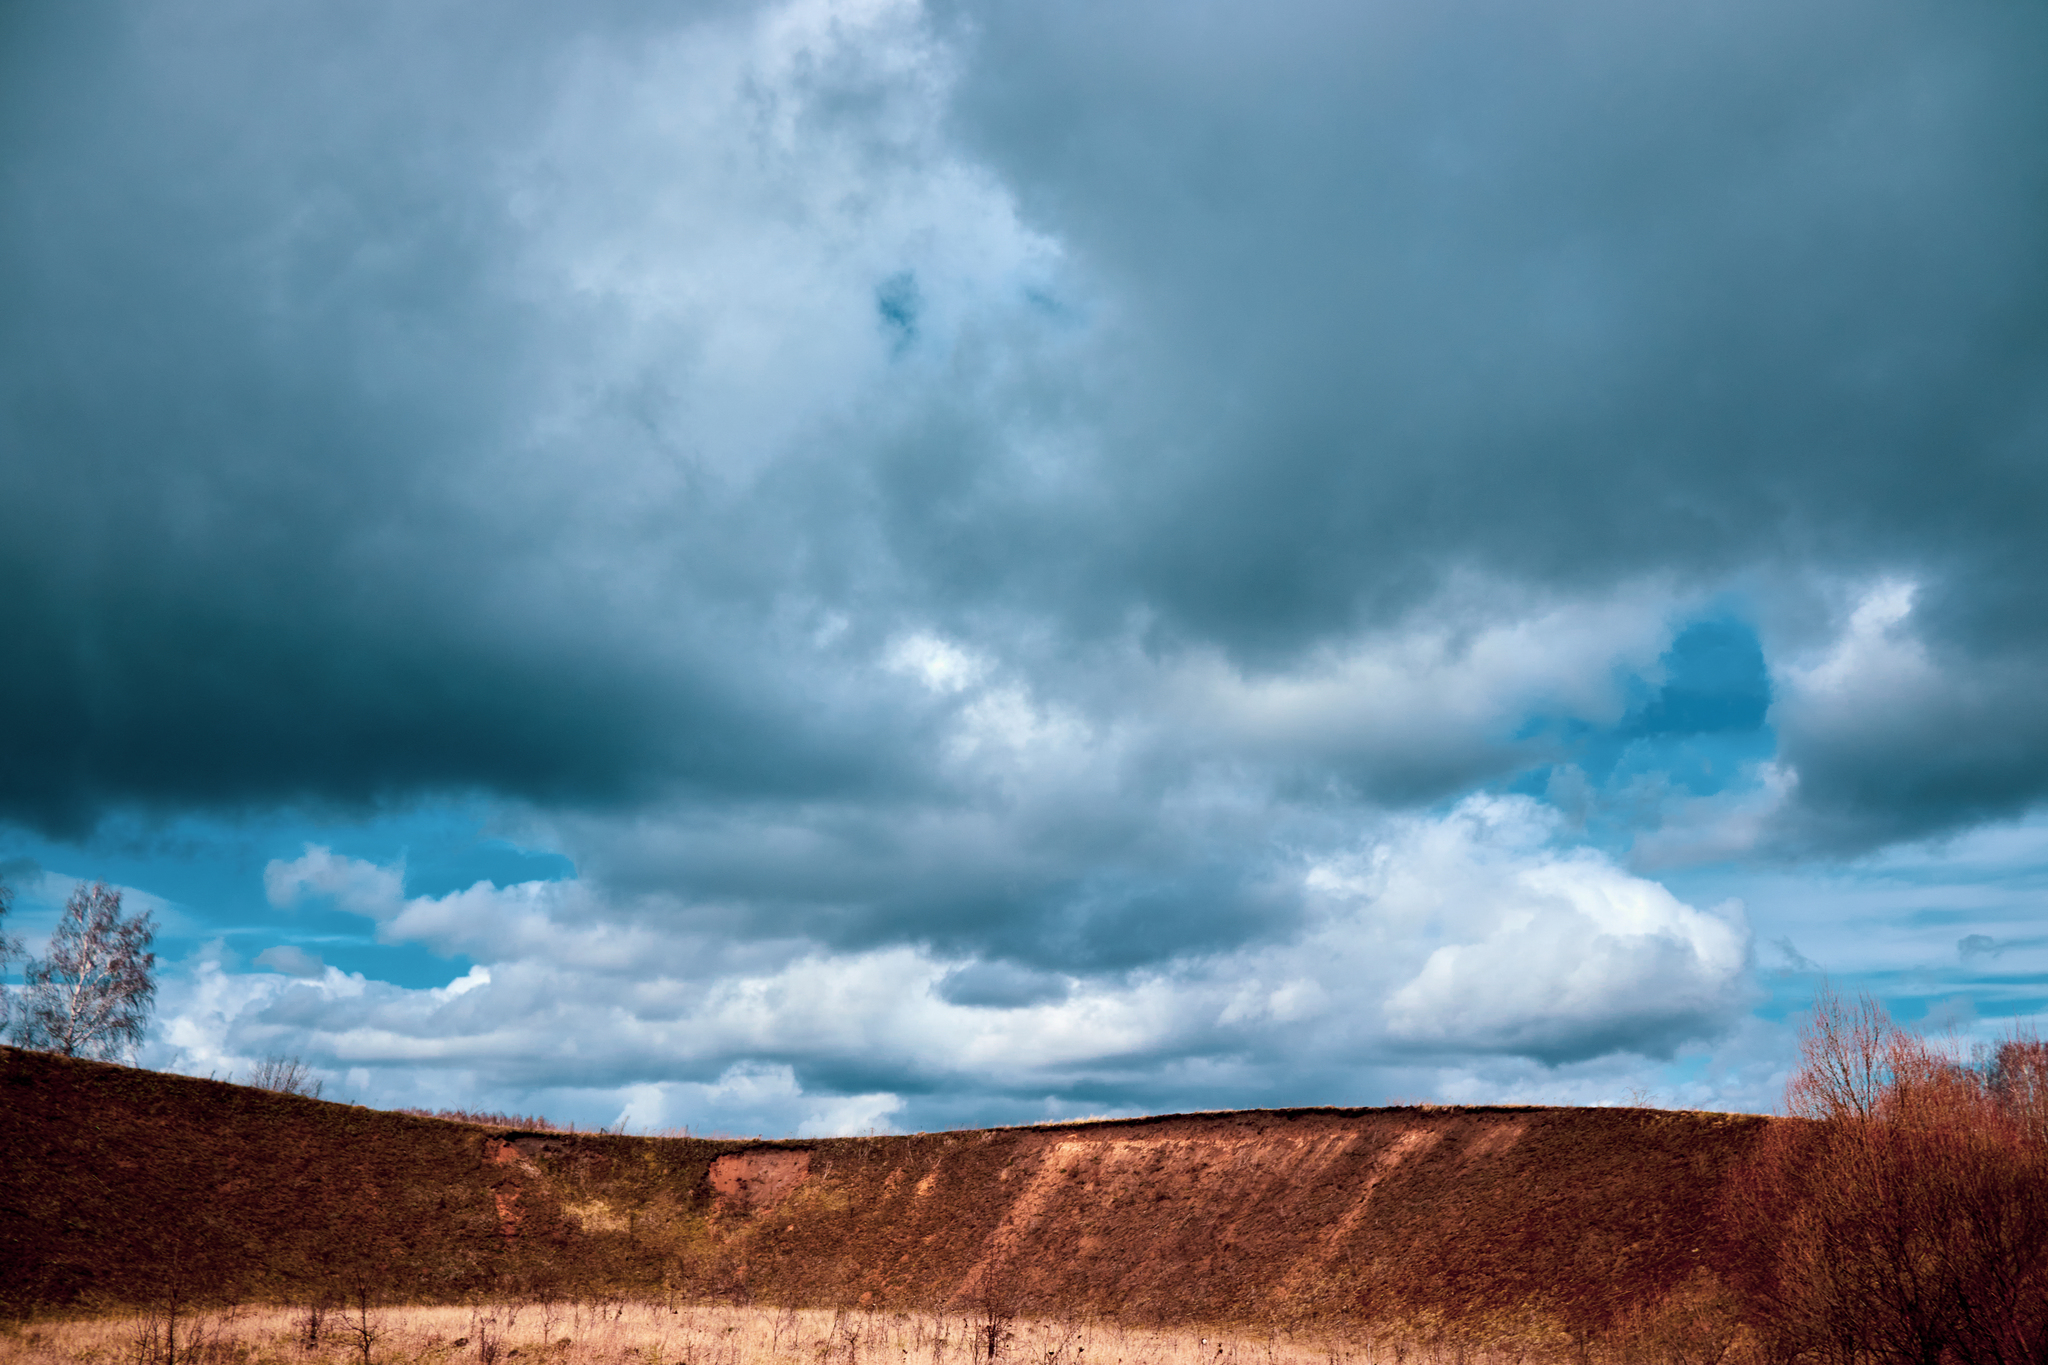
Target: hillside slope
(121,1185)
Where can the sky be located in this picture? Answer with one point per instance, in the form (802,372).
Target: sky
(882,565)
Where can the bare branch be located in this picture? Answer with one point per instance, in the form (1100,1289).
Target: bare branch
(1845,1054)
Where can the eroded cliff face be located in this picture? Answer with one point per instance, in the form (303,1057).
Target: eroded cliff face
(1565,1217)
(1577,1216)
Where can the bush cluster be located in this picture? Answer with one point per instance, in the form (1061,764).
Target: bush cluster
(1908,1220)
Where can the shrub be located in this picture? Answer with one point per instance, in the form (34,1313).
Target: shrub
(286,1076)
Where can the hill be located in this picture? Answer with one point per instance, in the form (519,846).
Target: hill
(121,1186)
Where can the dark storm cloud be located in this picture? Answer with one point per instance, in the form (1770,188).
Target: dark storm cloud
(270,525)
(327,472)
(1919,765)
(1001,986)
(1572,293)
(1091,888)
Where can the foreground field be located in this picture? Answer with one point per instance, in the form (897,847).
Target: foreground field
(623,1333)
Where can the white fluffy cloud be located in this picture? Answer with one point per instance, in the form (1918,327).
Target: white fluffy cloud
(1552,954)
(1472,932)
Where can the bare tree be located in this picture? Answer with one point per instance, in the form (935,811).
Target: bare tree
(92,995)
(356,1320)
(2017,1072)
(286,1076)
(1845,1052)
(995,1310)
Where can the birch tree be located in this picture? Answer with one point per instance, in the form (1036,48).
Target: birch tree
(91,996)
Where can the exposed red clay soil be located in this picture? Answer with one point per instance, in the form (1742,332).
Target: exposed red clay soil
(116,1180)
(760,1178)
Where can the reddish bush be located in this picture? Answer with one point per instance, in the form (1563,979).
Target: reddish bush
(1907,1221)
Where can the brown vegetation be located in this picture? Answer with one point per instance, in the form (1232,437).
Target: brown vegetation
(1908,1221)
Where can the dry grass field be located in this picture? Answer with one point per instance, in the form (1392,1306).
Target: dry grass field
(639,1333)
